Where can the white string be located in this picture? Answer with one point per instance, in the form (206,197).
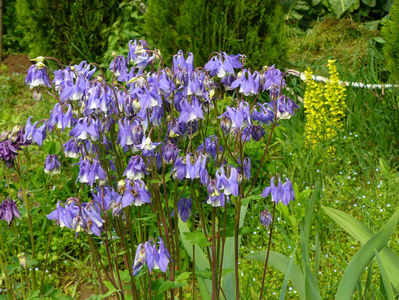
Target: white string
(353,84)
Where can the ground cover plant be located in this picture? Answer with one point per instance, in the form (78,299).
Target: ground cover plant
(342,197)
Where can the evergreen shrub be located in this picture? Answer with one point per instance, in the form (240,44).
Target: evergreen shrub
(70,30)
(390,32)
(255,28)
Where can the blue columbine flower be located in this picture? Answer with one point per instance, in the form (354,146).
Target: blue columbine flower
(71,148)
(136,193)
(184,208)
(52,165)
(170,153)
(34,133)
(107,199)
(9,210)
(223,68)
(257,132)
(85,128)
(37,76)
(285,107)
(247,83)
(190,112)
(89,171)
(147,253)
(136,168)
(281,193)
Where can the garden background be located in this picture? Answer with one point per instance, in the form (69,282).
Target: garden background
(354,170)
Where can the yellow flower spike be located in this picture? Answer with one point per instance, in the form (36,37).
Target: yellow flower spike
(324,108)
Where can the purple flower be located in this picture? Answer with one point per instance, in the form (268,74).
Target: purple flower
(272,79)
(9,210)
(179,169)
(85,128)
(247,168)
(210,146)
(247,83)
(257,132)
(190,112)
(240,117)
(136,193)
(285,107)
(78,216)
(52,165)
(57,117)
(107,198)
(37,76)
(281,193)
(136,168)
(223,68)
(11,143)
(32,133)
(264,115)
(184,208)
(119,67)
(170,153)
(147,253)
(74,91)
(163,256)
(89,171)
(71,149)
(266,218)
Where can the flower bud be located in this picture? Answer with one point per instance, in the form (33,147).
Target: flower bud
(266,218)
(226,125)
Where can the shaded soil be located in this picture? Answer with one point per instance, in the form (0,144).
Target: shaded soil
(16,63)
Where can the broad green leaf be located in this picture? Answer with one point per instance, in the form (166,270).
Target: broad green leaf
(340,6)
(286,277)
(387,283)
(360,260)
(370,3)
(281,262)
(197,238)
(229,260)
(201,261)
(361,233)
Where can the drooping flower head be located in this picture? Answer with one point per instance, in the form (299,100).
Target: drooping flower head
(184,208)
(281,193)
(52,165)
(9,210)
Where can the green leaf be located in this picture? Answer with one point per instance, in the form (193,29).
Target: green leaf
(360,260)
(340,6)
(370,3)
(201,262)
(183,276)
(197,238)
(286,277)
(281,263)
(387,283)
(361,233)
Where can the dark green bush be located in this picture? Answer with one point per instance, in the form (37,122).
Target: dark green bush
(390,32)
(70,30)
(254,28)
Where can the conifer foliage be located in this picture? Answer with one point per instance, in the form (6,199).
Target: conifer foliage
(255,28)
(390,32)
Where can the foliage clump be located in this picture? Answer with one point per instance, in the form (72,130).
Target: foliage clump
(255,28)
(71,30)
(390,32)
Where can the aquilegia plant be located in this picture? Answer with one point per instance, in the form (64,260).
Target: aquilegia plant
(155,148)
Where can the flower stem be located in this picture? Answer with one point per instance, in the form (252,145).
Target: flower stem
(268,251)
